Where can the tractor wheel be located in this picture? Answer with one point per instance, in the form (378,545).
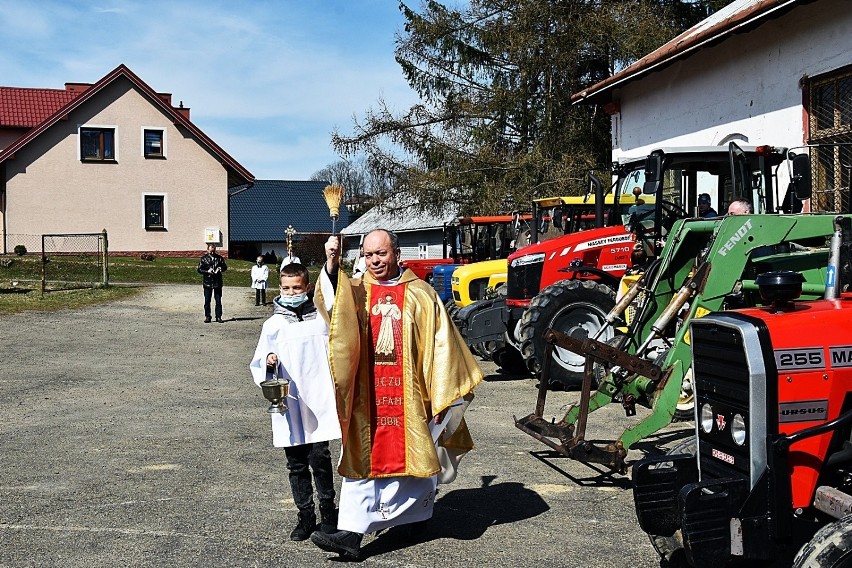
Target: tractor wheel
(574,307)
(685,409)
(452,309)
(510,360)
(670,548)
(489,348)
(831,547)
(486,349)
(478,349)
(601,370)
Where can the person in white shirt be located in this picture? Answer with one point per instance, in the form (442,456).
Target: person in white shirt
(289,259)
(259,279)
(360,266)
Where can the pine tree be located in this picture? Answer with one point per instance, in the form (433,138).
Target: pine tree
(495,125)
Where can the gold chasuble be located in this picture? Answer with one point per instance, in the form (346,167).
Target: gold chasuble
(397,361)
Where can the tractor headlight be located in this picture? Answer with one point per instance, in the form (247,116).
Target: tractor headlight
(454,280)
(738,429)
(706,418)
(528,259)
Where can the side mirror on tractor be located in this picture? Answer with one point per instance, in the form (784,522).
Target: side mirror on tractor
(653,173)
(801,181)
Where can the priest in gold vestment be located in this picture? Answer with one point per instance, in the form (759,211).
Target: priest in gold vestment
(400,405)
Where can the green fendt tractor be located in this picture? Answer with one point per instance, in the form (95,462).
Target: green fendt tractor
(706,265)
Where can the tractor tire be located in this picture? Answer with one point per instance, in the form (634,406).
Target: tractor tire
(685,409)
(452,310)
(489,348)
(601,370)
(670,548)
(831,547)
(478,349)
(509,360)
(486,349)
(574,307)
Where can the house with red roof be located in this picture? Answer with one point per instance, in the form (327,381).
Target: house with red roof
(114,155)
(774,72)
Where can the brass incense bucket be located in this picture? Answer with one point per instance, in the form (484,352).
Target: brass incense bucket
(275,391)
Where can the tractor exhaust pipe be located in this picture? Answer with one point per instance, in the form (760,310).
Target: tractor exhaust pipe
(833,269)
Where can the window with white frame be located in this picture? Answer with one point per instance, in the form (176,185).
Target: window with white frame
(153,142)
(97,143)
(154,208)
(422,250)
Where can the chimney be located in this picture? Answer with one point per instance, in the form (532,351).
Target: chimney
(165,97)
(77,87)
(182,110)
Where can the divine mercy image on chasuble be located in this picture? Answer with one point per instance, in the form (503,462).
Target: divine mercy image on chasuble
(388,412)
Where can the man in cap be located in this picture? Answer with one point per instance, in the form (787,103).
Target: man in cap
(704,209)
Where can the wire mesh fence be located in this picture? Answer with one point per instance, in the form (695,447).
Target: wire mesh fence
(54,262)
(20,265)
(831,137)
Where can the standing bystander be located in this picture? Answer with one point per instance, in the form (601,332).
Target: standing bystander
(289,259)
(259,279)
(360,266)
(211,266)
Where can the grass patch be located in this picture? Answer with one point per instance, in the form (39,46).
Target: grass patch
(15,300)
(20,279)
(182,271)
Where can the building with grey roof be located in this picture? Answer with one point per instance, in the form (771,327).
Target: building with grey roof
(259,213)
(421,234)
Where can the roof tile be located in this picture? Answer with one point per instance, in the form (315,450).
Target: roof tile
(22,107)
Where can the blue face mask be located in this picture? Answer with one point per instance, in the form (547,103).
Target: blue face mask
(293,301)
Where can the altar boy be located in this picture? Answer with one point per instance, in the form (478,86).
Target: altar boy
(293,346)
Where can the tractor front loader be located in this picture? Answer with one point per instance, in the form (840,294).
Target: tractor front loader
(706,265)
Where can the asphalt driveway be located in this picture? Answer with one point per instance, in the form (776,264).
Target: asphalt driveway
(133,435)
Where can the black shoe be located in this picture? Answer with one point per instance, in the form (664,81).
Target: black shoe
(207,319)
(219,320)
(306,525)
(256,305)
(344,543)
(328,519)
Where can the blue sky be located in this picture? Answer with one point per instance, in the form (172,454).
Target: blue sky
(267,80)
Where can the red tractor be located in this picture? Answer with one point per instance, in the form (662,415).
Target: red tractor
(469,239)
(768,476)
(569,284)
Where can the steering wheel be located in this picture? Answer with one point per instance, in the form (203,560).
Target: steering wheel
(671,213)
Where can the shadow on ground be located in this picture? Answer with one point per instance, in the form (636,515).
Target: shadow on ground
(465,514)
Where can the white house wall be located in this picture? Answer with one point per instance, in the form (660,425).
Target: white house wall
(747,87)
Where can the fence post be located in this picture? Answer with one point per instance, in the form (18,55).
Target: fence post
(105,259)
(43,265)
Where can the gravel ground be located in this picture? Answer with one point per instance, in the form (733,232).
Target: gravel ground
(132,435)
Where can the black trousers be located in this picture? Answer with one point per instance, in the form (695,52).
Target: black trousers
(217,294)
(317,457)
(259,295)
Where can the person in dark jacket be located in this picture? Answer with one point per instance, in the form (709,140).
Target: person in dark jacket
(211,266)
(704,209)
